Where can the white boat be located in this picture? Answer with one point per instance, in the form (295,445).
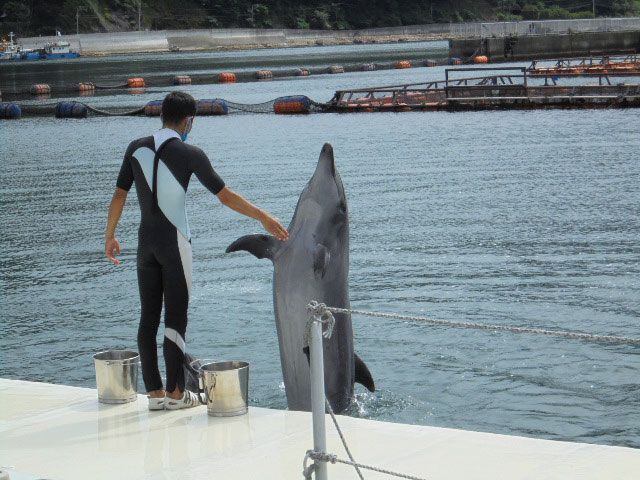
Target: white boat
(58,50)
(61,432)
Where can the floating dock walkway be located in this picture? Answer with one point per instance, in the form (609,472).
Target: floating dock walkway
(505,90)
(60,432)
(616,66)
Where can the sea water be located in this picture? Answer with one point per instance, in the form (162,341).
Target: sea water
(521,218)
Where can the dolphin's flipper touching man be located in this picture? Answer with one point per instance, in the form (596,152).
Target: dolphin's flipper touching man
(313,265)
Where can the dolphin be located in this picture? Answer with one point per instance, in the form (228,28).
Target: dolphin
(313,265)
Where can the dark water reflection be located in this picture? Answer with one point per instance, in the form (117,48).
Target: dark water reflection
(526,219)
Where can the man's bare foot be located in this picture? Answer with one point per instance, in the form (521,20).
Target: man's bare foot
(176,394)
(157,394)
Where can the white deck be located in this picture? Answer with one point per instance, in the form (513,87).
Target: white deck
(62,433)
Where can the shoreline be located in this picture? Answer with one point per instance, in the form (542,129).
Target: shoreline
(244,39)
(325,42)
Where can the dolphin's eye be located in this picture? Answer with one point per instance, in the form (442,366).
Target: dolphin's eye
(343,207)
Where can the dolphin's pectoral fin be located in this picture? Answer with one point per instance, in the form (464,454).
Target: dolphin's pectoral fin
(261,246)
(321,257)
(363,375)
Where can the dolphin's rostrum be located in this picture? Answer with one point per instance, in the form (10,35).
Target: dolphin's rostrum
(313,265)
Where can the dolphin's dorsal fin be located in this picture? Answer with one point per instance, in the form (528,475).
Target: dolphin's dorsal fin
(363,375)
(321,257)
(259,245)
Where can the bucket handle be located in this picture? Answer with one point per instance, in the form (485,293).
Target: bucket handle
(206,392)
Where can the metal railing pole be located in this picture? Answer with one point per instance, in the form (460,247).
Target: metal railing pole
(318,397)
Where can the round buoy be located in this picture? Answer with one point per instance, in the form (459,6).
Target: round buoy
(71,110)
(430,63)
(136,82)
(40,89)
(481,59)
(336,69)
(216,106)
(292,104)
(182,80)
(84,87)
(153,108)
(264,75)
(367,67)
(227,77)
(456,61)
(301,72)
(10,111)
(403,64)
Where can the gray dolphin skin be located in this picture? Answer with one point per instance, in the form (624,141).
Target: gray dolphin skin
(313,265)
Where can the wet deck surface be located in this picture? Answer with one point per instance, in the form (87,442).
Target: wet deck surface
(60,432)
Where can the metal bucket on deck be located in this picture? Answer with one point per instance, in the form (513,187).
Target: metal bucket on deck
(226,388)
(117,376)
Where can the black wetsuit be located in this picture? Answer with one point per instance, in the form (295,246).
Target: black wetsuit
(164,244)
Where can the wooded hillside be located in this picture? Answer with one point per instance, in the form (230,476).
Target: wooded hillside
(44,17)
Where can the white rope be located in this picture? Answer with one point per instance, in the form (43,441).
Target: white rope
(327,457)
(537,331)
(344,441)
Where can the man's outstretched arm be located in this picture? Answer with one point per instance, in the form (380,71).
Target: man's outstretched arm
(238,203)
(115,211)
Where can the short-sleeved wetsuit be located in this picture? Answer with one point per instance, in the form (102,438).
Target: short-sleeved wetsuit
(164,244)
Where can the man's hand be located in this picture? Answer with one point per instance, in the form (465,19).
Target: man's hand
(236,202)
(110,245)
(274,227)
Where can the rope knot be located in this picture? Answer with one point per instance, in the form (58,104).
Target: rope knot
(318,312)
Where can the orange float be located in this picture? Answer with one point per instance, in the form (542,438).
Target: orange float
(264,74)
(136,82)
(40,89)
(481,59)
(84,87)
(227,77)
(403,64)
(292,104)
(182,80)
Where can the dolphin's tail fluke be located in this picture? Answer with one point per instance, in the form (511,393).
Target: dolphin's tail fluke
(363,375)
(261,246)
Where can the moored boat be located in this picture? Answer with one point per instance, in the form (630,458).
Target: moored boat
(8,49)
(58,50)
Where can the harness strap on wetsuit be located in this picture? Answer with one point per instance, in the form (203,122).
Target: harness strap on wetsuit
(156,160)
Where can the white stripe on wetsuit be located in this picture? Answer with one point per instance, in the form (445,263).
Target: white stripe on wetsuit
(185,256)
(172,196)
(176,338)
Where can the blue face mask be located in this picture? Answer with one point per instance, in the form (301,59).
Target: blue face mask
(185,134)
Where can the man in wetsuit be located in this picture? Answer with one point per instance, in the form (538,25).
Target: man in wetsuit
(161,166)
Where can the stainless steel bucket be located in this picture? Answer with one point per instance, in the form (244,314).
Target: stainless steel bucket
(117,376)
(226,388)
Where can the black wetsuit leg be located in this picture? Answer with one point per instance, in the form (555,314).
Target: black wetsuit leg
(164,273)
(176,303)
(150,286)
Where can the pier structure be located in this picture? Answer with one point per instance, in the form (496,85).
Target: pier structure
(508,88)
(621,65)
(515,47)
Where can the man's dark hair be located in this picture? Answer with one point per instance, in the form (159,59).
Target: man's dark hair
(177,106)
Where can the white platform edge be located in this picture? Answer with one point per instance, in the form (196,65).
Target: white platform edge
(59,432)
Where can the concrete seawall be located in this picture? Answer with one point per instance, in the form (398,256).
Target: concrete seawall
(546,46)
(165,40)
